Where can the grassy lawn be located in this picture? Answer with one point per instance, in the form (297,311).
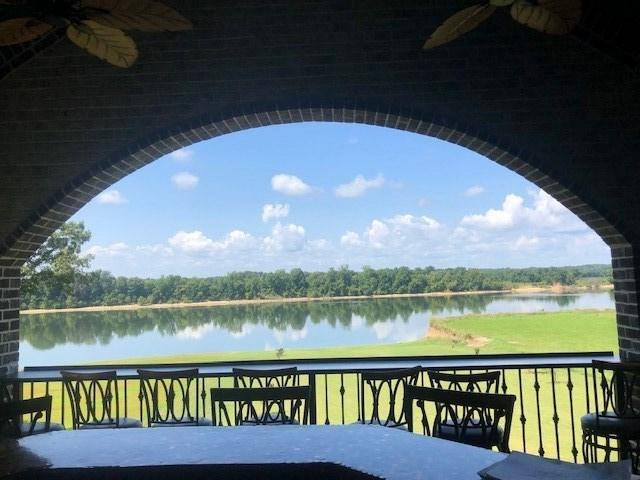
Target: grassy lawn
(504,333)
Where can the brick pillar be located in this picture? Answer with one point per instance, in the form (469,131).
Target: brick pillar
(626,279)
(9,319)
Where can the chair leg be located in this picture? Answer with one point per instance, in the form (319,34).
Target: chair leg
(587,448)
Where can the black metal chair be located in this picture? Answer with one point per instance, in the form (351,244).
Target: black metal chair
(172,397)
(95,400)
(487,382)
(12,414)
(386,386)
(614,426)
(466,417)
(261,406)
(264,378)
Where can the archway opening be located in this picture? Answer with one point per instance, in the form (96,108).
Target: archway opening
(324,211)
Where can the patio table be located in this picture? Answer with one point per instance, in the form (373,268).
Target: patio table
(377,451)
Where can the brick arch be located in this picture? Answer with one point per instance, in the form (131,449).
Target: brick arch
(26,239)
(66,202)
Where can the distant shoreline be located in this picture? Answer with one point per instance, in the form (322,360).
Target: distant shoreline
(260,301)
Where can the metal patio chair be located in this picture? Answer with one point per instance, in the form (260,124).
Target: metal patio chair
(261,406)
(486,382)
(95,400)
(386,387)
(264,378)
(12,417)
(479,419)
(172,397)
(614,426)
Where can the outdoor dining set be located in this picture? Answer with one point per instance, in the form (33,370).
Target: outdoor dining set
(462,407)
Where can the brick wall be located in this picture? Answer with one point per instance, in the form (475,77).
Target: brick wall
(626,278)
(559,112)
(9,318)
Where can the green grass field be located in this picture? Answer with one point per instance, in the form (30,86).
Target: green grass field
(570,331)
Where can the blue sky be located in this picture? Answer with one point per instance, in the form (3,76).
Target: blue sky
(319,195)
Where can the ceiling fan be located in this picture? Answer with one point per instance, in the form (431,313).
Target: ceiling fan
(96,26)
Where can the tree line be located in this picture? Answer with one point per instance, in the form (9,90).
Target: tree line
(58,276)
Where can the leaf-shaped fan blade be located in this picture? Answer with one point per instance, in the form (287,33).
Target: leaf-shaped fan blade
(142,15)
(109,44)
(459,23)
(555,17)
(20,30)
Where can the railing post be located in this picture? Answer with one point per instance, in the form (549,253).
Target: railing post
(313,411)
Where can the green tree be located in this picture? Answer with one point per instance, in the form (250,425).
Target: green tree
(55,267)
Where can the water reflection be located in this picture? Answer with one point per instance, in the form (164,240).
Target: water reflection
(288,322)
(45,331)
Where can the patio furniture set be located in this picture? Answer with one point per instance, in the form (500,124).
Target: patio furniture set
(464,408)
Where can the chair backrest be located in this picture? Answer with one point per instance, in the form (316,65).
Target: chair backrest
(12,412)
(487,382)
(482,414)
(171,396)
(260,406)
(385,390)
(263,378)
(617,389)
(94,398)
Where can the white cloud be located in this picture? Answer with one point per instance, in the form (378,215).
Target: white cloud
(510,213)
(526,243)
(288,238)
(358,186)
(185,180)
(117,249)
(466,234)
(182,154)
(378,233)
(156,249)
(547,212)
(274,211)
(474,190)
(401,231)
(350,239)
(290,185)
(111,197)
(319,244)
(196,242)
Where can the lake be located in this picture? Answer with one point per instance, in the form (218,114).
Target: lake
(81,337)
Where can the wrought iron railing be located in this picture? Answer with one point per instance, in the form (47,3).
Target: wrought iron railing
(553,390)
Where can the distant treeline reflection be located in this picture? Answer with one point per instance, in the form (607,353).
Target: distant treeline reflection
(45,331)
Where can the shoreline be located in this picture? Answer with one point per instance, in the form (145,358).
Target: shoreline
(262,301)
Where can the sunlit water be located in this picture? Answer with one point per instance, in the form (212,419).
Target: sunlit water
(73,338)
